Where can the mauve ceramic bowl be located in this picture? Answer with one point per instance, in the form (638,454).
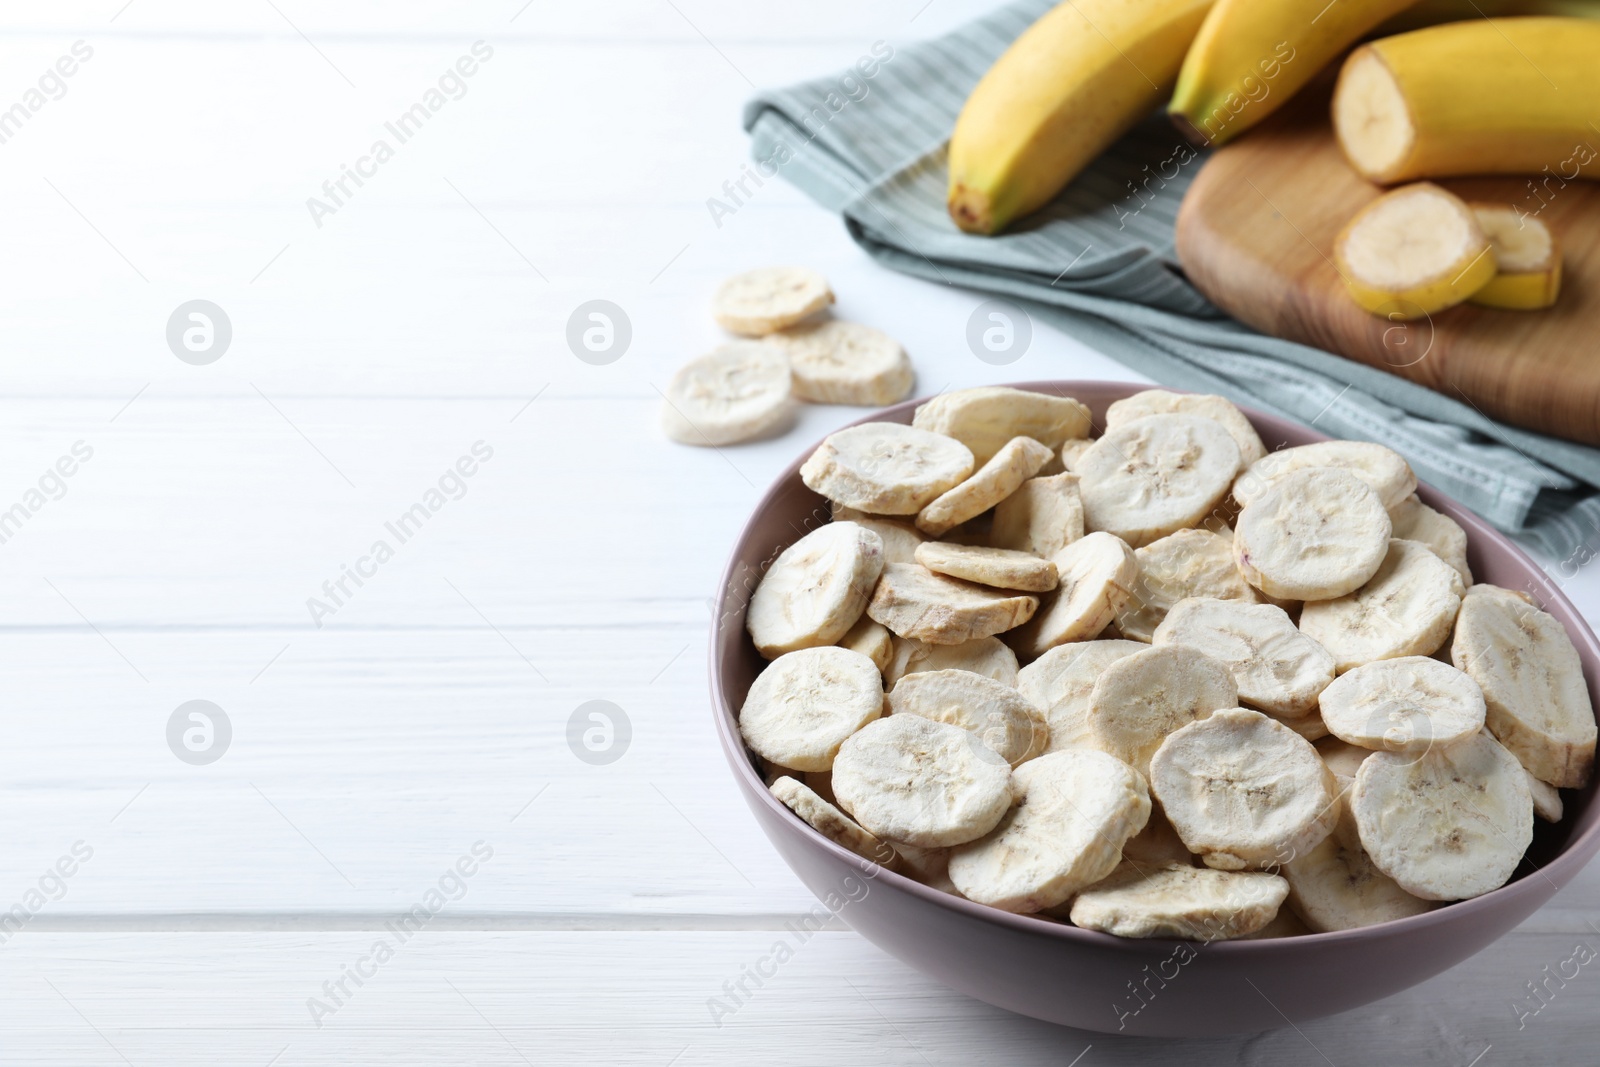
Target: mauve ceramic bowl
(1092,980)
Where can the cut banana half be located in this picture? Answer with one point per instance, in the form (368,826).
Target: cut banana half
(1193,903)
(1381,467)
(1314,534)
(1528,258)
(1060,682)
(815,591)
(1416,521)
(836,362)
(900,539)
(1450,825)
(872,640)
(1532,681)
(1163,402)
(926,783)
(804,704)
(985,418)
(1406,609)
(1042,517)
(1001,475)
(767,299)
(1406,705)
(1140,699)
(914,602)
(1155,476)
(1189,563)
(1095,578)
(1414,251)
(832,823)
(1074,813)
(735,393)
(997,714)
(1546,800)
(1243,790)
(988,656)
(998,568)
(1336,886)
(1276,667)
(885,468)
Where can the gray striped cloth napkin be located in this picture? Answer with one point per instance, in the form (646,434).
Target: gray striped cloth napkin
(1099,263)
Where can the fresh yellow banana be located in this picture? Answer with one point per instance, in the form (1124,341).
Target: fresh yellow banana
(1074,82)
(1413,251)
(1432,12)
(1251,56)
(1491,96)
(1528,257)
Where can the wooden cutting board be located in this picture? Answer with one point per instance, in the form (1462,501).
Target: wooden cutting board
(1256,234)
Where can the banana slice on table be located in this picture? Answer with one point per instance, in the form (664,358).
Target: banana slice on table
(1413,251)
(900,539)
(1406,609)
(1313,534)
(1381,467)
(1532,681)
(1416,521)
(1060,682)
(1074,813)
(1189,563)
(885,468)
(1336,886)
(1000,476)
(837,362)
(767,299)
(1546,800)
(815,591)
(1095,577)
(804,704)
(1193,903)
(1243,790)
(1528,258)
(914,602)
(1139,699)
(832,823)
(1155,476)
(926,783)
(1043,516)
(1220,408)
(997,714)
(1447,825)
(988,656)
(1404,705)
(985,418)
(734,393)
(998,568)
(1276,667)
(873,640)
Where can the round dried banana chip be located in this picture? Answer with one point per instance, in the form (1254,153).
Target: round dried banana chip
(1276,667)
(914,602)
(1382,468)
(999,568)
(1416,521)
(1193,903)
(900,538)
(1095,577)
(1139,699)
(1181,565)
(1336,886)
(816,590)
(997,714)
(1404,705)
(1017,461)
(986,417)
(1405,609)
(1042,517)
(988,656)
(1060,682)
(885,468)
(767,299)
(832,823)
(804,704)
(1155,475)
(836,362)
(1162,402)
(1314,534)
(734,393)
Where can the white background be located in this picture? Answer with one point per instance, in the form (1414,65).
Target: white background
(430,711)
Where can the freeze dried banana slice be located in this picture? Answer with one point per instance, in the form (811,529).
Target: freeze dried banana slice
(873,640)
(804,704)
(988,416)
(1181,565)
(1416,521)
(1449,825)
(1532,681)
(988,656)
(885,468)
(914,602)
(1314,534)
(1073,450)
(767,299)
(999,568)
(1060,682)
(1095,579)
(1405,609)
(1243,790)
(1276,667)
(929,784)
(1546,800)
(900,539)
(734,393)
(1163,402)
(1074,813)
(1140,699)
(1336,886)
(1043,516)
(1193,903)
(836,362)
(1155,475)
(815,590)
(832,823)
(1381,467)
(1404,705)
(1157,845)
(997,714)
(999,477)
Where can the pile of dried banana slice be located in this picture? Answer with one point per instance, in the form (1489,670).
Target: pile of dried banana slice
(1159,683)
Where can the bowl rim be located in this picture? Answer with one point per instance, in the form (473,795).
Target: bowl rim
(1573,857)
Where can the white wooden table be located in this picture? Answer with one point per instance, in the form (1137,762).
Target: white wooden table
(427,716)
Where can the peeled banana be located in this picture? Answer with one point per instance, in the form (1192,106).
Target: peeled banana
(1074,82)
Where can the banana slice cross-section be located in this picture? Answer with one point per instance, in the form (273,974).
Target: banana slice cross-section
(1404,705)
(1381,467)
(1139,699)
(1528,255)
(767,299)
(1314,534)
(1336,886)
(1276,667)
(988,656)
(1405,609)
(1017,461)
(985,418)
(998,568)
(997,714)
(1163,402)
(735,393)
(804,705)
(815,591)
(1416,521)
(1189,563)
(1060,682)
(1412,252)
(1095,577)
(1155,476)
(1194,903)
(837,362)
(914,602)
(884,468)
